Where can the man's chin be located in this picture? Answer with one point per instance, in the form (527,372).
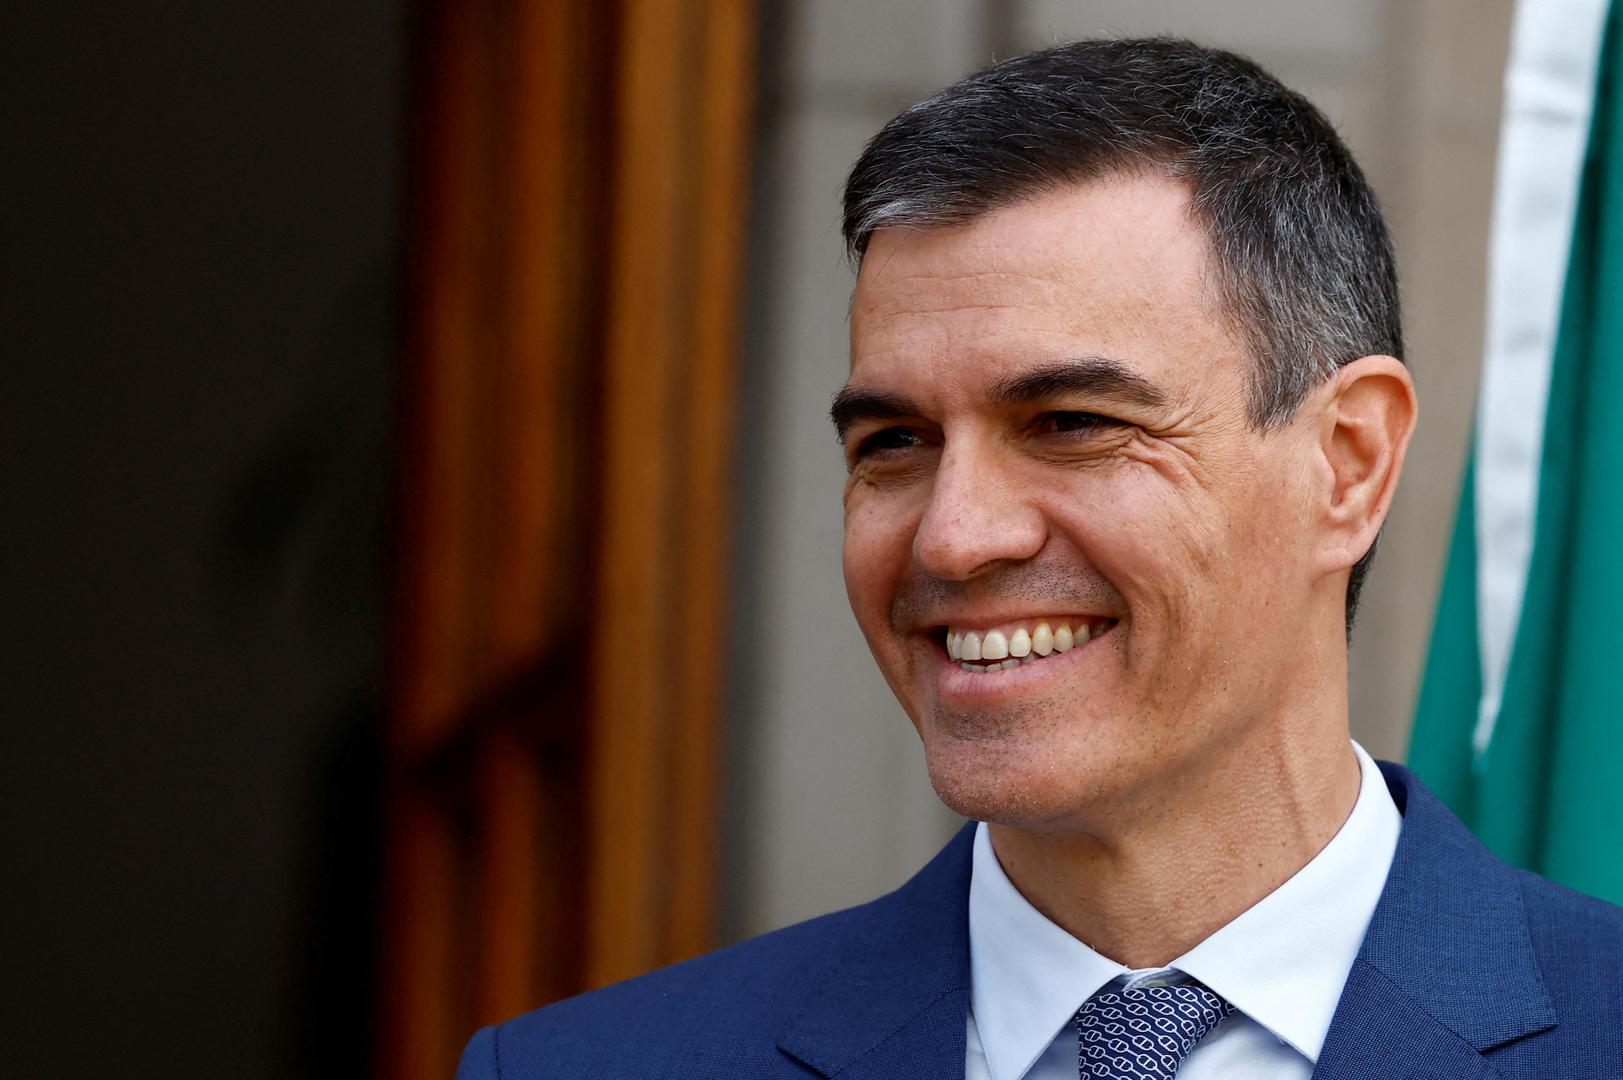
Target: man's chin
(1011,785)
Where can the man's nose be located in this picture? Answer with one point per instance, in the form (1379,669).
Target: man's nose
(979,516)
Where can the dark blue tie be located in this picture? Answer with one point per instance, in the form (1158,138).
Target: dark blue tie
(1144,1033)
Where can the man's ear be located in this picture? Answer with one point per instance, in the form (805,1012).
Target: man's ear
(1368,416)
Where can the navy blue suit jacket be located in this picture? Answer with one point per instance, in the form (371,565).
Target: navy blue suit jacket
(1470,969)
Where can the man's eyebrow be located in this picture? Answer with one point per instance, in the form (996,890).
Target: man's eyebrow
(853,403)
(1097,376)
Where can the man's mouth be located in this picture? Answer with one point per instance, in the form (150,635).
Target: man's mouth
(1018,644)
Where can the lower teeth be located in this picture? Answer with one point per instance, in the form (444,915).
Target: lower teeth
(1004,666)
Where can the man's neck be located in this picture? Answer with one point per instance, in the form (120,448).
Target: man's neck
(1186,860)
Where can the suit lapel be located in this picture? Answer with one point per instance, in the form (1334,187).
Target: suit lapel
(1381,1033)
(894,1002)
(1446,971)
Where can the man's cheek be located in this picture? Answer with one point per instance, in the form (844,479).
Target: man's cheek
(869,581)
(878,533)
(1151,551)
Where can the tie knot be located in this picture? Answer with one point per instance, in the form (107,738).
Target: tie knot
(1144,1032)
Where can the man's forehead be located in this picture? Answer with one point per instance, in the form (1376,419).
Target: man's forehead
(1057,231)
(1113,269)
(1128,240)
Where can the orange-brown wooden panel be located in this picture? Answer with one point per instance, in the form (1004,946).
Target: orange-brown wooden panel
(418,1021)
(537,381)
(434,587)
(723,105)
(561,588)
(536,387)
(507,792)
(640,450)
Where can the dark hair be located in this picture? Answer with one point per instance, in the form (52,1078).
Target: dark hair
(1301,257)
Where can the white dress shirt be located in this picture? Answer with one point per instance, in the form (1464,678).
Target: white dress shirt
(1281,964)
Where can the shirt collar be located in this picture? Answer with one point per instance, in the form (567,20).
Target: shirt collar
(1283,962)
(1027,975)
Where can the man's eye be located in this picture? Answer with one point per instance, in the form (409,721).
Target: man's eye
(888,439)
(1073,423)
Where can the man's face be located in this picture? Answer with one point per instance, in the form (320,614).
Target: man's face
(1046,426)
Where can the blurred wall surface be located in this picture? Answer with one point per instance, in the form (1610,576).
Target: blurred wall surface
(830,804)
(198,248)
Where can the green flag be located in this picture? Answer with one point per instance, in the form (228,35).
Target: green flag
(1520,721)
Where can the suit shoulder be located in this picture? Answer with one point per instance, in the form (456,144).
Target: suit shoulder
(779,958)
(1570,928)
(742,996)
(1578,943)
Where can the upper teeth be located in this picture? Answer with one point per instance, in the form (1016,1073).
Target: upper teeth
(1008,647)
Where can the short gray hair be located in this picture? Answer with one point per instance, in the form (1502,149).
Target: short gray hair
(1302,260)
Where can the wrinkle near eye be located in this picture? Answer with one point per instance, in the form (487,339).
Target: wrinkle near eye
(874,479)
(1168,456)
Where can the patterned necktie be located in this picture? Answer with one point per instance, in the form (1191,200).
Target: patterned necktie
(1143,1033)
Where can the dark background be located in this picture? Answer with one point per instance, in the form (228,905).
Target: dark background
(200,210)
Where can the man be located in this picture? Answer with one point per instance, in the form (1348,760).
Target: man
(1125,415)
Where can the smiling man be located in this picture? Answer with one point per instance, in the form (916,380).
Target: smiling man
(1124,418)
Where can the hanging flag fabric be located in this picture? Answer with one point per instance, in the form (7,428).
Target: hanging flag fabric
(1520,721)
